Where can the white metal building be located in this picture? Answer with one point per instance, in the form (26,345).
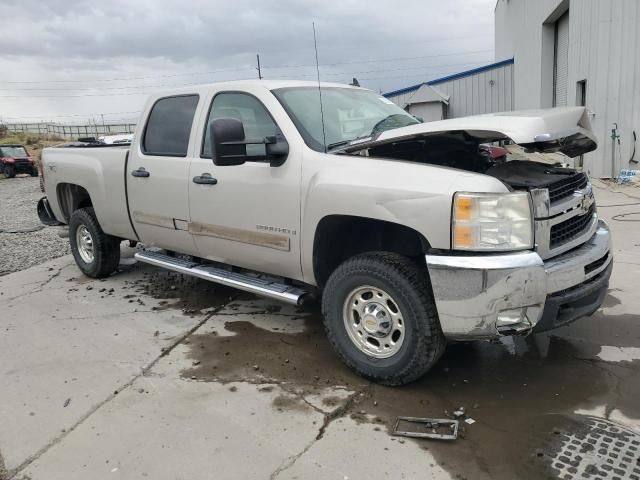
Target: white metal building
(578,52)
(481,90)
(556,53)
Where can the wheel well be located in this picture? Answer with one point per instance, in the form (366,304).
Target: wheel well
(72,197)
(339,237)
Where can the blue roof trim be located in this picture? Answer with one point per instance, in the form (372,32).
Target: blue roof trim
(468,73)
(403,90)
(448,78)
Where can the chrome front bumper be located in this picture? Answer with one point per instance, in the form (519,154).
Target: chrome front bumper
(486,296)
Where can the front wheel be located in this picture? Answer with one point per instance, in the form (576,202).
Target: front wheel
(381,319)
(10,171)
(34,171)
(96,253)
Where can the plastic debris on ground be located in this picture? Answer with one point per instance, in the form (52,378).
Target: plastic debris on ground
(629,177)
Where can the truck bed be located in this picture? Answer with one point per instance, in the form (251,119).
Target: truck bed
(100,170)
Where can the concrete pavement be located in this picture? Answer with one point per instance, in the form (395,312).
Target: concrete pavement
(165,377)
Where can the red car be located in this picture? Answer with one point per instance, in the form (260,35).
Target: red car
(15,159)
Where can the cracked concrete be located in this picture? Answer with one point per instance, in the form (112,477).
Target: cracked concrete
(212,383)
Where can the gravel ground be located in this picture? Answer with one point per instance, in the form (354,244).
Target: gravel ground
(18,199)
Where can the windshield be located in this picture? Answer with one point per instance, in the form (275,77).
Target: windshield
(349,114)
(14,152)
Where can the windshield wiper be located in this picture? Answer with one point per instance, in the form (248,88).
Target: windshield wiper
(342,143)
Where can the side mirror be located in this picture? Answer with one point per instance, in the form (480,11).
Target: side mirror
(277,149)
(230,145)
(227,137)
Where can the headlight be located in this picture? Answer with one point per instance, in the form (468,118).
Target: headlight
(492,221)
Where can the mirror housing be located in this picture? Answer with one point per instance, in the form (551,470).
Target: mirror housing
(227,141)
(277,149)
(229,145)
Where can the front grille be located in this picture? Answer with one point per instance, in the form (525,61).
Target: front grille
(22,163)
(566,187)
(566,231)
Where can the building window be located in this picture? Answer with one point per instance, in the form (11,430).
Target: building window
(581,93)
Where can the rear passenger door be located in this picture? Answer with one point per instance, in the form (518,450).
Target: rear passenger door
(157,175)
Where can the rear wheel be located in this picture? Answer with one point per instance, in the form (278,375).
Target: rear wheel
(381,319)
(96,253)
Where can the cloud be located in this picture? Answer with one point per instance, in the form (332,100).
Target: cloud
(58,41)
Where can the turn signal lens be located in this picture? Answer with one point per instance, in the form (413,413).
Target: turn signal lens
(463,207)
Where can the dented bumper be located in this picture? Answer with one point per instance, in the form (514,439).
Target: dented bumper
(486,296)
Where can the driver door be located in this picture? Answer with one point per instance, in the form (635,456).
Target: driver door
(250,216)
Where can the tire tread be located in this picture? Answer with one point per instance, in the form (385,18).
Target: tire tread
(414,281)
(106,247)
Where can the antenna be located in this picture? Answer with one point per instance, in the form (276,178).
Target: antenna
(259,70)
(315,45)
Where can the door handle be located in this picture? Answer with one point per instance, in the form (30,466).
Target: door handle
(140,172)
(205,179)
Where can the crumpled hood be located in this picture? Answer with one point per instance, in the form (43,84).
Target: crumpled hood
(564,129)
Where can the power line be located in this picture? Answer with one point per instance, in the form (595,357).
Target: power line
(380,60)
(426,68)
(247,69)
(348,72)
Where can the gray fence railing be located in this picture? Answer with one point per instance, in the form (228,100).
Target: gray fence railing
(71,131)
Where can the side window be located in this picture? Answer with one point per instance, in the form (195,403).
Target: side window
(253,114)
(169,125)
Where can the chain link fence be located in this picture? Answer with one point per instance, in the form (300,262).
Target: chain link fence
(71,132)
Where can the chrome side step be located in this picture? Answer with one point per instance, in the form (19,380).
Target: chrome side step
(248,283)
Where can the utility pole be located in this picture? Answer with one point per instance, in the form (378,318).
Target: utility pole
(259,70)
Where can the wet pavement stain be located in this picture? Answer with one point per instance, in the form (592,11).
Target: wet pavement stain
(509,390)
(262,356)
(193,296)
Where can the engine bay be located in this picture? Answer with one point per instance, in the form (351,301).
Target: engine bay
(463,151)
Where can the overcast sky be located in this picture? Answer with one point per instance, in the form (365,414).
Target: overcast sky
(66,60)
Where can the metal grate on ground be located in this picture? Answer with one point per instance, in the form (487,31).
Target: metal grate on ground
(597,449)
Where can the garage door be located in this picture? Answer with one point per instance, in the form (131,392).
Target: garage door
(561,64)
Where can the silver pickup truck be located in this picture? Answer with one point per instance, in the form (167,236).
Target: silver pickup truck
(411,233)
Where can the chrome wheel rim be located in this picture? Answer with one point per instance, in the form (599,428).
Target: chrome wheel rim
(374,322)
(84,241)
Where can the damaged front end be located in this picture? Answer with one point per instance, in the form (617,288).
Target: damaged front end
(558,277)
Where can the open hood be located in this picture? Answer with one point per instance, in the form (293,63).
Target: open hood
(566,130)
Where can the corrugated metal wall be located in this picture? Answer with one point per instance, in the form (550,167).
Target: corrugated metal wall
(401,100)
(485,92)
(604,50)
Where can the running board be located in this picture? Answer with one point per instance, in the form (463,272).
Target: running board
(248,283)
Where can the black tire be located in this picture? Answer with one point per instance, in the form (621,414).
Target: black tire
(409,286)
(10,171)
(34,171)
(106,249)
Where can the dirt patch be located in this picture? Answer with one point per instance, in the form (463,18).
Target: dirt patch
(4,474)
(178,292)
(287,402)
(331,401)
(508,390)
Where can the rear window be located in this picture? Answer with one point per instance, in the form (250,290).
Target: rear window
(13,152)
(169,126)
